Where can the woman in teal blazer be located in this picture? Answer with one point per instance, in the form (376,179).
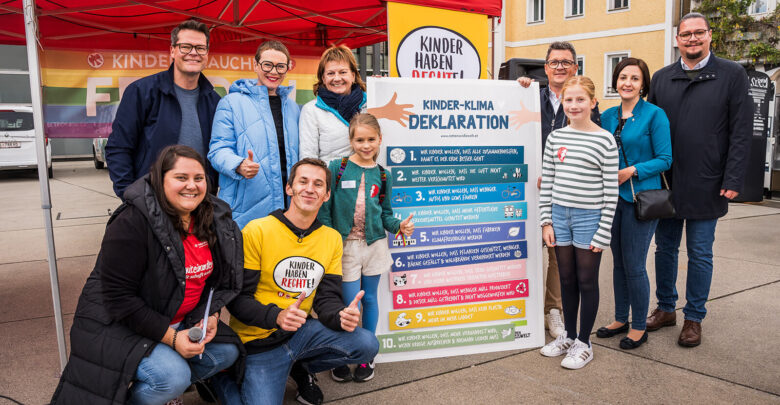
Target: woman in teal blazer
(642,132)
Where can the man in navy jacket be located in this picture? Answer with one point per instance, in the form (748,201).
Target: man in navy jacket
(171,107)
(711,117)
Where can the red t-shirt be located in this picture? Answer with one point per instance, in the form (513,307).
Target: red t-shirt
(199,265)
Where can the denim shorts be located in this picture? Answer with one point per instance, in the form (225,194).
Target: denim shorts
(574,226)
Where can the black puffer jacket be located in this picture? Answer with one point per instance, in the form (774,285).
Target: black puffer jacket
(133,293)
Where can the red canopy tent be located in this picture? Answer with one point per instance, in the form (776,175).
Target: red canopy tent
(306,27)
(237,26)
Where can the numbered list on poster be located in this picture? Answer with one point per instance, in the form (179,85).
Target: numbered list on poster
(462,283)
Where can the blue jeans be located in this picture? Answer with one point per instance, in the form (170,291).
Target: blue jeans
(699,236)
(316,346)
(164,374)
(630,242)
(574,226)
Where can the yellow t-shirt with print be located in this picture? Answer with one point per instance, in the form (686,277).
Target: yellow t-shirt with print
(288,265)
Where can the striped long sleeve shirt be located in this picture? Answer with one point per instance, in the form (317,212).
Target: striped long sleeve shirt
(580,170)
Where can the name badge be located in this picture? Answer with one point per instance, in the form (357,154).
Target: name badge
(348,184)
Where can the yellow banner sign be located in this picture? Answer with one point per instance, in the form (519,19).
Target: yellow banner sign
(428,42)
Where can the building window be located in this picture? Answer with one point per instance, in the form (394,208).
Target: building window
(759,7)
(535,11)
(575,8)
(14,75)
(580,65)
(617,5)
(611,61)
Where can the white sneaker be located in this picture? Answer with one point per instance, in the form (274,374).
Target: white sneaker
(557,347)
(554,323)
(578,356)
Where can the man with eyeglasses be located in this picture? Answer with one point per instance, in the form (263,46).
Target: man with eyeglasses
(560,65)
(710,114)
(171,107)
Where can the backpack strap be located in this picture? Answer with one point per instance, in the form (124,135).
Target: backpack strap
(383,188)
(382,176)
(343,166)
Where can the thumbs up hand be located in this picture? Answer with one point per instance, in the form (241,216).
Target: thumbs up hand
(350,316)
(248,167)
(293,317)
(407,226)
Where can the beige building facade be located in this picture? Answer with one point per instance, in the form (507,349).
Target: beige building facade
(602,31)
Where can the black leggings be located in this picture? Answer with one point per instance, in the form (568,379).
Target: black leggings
(579,270)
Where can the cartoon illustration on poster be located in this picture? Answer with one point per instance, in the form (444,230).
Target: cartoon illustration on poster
(464,163)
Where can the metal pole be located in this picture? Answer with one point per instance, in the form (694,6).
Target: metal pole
(498,42)
(362,62)
(376,61)
(31,32)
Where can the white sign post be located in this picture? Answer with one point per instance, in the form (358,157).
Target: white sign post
(470,278)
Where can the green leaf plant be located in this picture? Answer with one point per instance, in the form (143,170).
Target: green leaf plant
(736,35)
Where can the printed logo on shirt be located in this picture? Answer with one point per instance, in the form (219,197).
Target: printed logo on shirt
(201,245)
(298,274)
(195,272)
(562,153)
(374,190)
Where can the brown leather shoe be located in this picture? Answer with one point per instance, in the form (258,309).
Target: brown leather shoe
(658,319)
(690,335)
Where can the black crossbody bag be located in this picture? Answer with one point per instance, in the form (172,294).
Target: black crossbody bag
(648,204)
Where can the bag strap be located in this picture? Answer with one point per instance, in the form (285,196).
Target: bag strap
(619,142)
(383,188)
(343,166)
(382,176)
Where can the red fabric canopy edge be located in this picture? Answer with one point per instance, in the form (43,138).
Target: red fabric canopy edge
(305,28)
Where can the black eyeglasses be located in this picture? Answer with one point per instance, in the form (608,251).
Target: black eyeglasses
(187,48)
(698,34)
(555,63)
(267,67)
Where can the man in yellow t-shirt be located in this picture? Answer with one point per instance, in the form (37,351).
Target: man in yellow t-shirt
(292,264)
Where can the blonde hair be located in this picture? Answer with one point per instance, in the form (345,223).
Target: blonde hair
(367,120)
(583,82)
(338,53)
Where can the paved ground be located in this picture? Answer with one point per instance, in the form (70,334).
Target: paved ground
(739,360)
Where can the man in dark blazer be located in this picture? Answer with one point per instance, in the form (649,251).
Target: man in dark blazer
(710,112)
(171,107)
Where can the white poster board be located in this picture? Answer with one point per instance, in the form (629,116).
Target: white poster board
(470,278)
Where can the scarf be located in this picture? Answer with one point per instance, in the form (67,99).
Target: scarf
(346,104)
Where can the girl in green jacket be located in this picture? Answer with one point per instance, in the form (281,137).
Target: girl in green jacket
(359,211)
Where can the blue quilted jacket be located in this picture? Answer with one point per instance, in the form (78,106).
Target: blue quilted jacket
(244,122)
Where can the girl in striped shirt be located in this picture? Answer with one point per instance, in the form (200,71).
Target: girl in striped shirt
(577,202)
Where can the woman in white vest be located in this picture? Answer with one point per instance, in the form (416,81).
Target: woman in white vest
(340,93)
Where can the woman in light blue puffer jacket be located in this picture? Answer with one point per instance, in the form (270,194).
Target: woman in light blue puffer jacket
(254,139)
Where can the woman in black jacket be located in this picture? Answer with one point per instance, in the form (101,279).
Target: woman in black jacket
(165,249)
